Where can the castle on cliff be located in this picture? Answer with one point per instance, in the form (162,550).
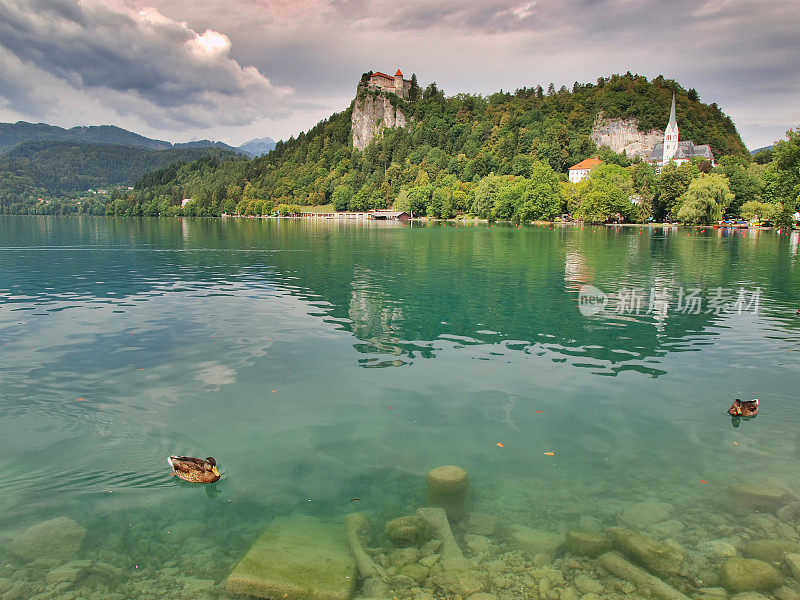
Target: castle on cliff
(672,150)
(396,85)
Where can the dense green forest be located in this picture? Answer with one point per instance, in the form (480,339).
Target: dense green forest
(56,169)
(499,157)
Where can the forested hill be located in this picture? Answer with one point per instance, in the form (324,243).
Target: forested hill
(59,168)
(460,139)
(12,134)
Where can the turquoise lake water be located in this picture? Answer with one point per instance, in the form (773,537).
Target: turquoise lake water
(329,366)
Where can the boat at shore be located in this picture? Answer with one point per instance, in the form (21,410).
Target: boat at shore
(729,224)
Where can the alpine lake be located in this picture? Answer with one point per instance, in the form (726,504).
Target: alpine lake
(580,376)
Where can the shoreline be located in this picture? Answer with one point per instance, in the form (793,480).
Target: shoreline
(358,217)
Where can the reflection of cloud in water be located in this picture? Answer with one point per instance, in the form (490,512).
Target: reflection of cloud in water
(214,374)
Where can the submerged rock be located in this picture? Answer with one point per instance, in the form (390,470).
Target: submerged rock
(482,596)
(749,496)
(461,582)
(586,542)
(71,572)
(296,558)
(613,562)
(448,481)
(477,543)
(642,514)
(536,541)
(792,562)
(749,575)
(789,513)
(587,585)
(715,549)
(662,558)
(480,524)
(21,590)
(59,538)
(770,550)
(407,531)
(785,593)
(447,487)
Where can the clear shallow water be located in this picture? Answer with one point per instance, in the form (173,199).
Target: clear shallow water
(322,362)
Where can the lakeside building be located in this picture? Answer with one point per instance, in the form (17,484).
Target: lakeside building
(396,85)
(673,150)
(389,215)
(582,170)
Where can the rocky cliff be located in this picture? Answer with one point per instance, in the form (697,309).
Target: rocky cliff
(373,112)
(624,134)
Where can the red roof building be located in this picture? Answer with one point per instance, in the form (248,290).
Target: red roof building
(581,171)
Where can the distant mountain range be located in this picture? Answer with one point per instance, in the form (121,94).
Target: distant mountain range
(12,134)
(757,150)
(258,146)
(38,160)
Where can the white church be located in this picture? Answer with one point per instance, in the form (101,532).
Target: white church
(672,150)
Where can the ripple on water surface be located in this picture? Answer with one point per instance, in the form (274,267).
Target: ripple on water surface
(328,368)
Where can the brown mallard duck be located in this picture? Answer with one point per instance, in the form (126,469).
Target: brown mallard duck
(748,408)
(195,470)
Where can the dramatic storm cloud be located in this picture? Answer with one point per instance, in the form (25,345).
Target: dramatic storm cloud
(132,62)
(235,69)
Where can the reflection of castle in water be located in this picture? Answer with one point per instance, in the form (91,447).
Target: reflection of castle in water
(374,315)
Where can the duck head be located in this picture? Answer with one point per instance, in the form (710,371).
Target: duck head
(213,463)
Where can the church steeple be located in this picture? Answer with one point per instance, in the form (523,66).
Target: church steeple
(670,135)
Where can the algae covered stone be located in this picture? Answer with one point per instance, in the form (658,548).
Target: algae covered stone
(536,541)
(792,562)
(642,514)
(296,558)
(749,575)
(662,558)
(716,549)
(407,531)
(448,481)
(59,539)
(753,495)
(463,582)
(447,487)
(770,550)
(586,542)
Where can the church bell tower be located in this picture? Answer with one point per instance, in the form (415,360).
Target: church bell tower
(670,135)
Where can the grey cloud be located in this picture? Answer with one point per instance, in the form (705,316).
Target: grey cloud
(158,62)
(741,54)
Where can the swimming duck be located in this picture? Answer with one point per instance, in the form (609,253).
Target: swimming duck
(195,470)
(748,408)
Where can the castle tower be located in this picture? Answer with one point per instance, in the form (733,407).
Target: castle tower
(670,135)
(398,83)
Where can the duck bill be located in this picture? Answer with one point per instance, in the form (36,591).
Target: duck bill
(214,471)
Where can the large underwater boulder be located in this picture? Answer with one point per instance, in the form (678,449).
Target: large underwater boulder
(407,531)
(749,575)
(643,514)
(535,541)
(59,539)
(750,496)
(296,558)
(770,550)
(661,558)
(586,542)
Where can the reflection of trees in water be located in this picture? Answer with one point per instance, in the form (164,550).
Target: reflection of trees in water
(407,293)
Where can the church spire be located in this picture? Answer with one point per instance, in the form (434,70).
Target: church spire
(673,124)
(670,136)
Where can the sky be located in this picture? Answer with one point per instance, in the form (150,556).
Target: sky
(232,70)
